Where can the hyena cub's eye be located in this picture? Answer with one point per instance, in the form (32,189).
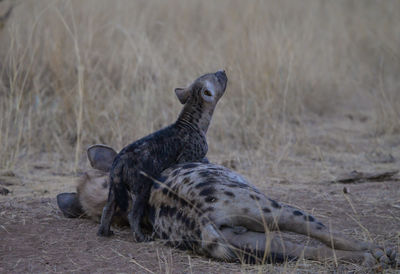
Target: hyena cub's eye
(207,92)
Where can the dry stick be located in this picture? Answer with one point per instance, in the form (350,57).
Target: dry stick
(80,68)
(190,265)
(80,114)
(131,260)
(356,219)
(333,246)
(361,177)
(4,18)
(159,260)
(382,91)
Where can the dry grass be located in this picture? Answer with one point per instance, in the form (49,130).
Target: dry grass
(75,73)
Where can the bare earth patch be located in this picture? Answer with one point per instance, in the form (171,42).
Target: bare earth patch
(35,237)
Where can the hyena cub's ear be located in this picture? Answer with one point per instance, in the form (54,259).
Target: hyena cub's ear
(101,157)
(182,94)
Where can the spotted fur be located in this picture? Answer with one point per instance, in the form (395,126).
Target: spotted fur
(184,141)
(216,212)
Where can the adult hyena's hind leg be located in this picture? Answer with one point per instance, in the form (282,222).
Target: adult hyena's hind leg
(268,215)
(294,220)
(286,218)
(257,247)
(215,244)
(238,243)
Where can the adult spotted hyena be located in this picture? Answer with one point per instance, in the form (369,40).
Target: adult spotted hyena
(216,212)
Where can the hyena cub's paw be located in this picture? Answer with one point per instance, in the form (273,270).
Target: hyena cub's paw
(140,237)
(103,232)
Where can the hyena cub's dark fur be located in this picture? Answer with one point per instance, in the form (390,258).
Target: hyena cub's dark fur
(183,141)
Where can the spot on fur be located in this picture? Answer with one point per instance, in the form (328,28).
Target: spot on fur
(172,211)
(230,194)
(164,210)
(207,191)
(203,184)
(164,236)
(266,210)
(210,199)
(189,166)
(175,173)
(183,202)
(309,218)
(198,205)
(185,181)
(297,213)
(254,197)
(197,233)
(275,204)
(204,174)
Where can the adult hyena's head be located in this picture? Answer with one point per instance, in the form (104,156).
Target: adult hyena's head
(92,188)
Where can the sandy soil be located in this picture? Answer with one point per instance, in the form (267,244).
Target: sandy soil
(35,237)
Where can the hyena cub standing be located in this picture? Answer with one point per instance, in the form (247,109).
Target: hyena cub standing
(183,141)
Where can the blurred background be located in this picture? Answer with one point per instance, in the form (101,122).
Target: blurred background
(75,73)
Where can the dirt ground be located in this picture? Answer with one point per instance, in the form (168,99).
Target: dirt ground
(35,237)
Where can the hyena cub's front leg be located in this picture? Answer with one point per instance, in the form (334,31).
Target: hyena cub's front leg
(137,211)
(108,213)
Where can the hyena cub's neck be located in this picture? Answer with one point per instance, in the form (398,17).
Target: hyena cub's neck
(199,100)
(195,117)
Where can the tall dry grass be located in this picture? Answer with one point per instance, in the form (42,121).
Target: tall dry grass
(74,73)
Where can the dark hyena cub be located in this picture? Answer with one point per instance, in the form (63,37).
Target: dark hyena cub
(183,141)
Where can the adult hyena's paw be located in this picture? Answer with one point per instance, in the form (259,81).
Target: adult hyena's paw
(387,256)
(391,252)
(381,258)
(103,232)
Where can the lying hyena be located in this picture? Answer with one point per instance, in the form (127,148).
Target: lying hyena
(214,211)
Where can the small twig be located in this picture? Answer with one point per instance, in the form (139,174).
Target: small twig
(361,177)
(4,229)
(4,191)
(131,260)
(6,15)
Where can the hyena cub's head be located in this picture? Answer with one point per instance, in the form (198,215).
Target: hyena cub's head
(205,90)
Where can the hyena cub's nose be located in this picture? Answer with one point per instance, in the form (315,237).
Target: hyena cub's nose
(221,76)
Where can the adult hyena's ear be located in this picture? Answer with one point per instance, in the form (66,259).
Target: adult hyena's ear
(182,94)
(101,157)
(69,205)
